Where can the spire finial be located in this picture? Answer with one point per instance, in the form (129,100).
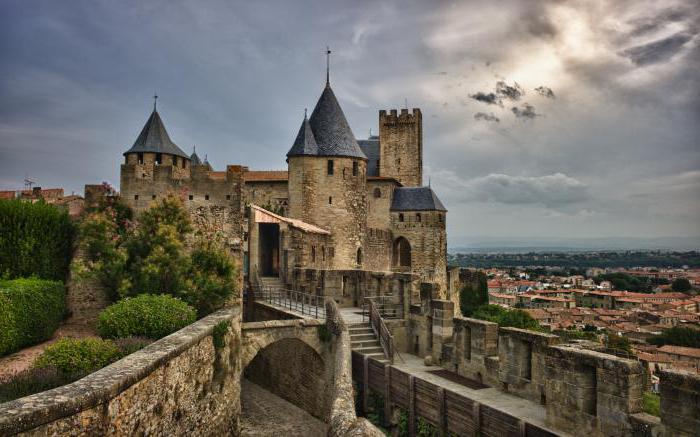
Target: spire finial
(155,100)
(328,65)
(304,113)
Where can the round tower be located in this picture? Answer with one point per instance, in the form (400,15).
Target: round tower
(328,180)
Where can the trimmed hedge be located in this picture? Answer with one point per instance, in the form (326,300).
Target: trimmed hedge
(79,355)
(36,240)
(30,311)
(147,315)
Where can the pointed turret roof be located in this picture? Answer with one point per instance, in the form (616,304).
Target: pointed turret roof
(330,130)
(155,139)
(194,158)
(305,143)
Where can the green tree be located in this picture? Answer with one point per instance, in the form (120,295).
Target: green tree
(507,317)
(681,285)
(214,277)
(473,294)
(618,342)
(677,336)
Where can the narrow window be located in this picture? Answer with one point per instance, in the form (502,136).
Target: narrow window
(191,197)
(418,218)
(140,158)
(159,158)
(136,197)
(359,256)
(330,200)
(313,254)
(323,253)
(228,197)
(206,197)
(377,193)
(183,161)
(153,197)
(400,217)
(355,168)
(330,167)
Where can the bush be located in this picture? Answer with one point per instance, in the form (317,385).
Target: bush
(474,294)
(33,380)
(651,404)
(30,311)
(78,356)
(36,240)
(507,317)
(152,316)
(681,285)
(214,278)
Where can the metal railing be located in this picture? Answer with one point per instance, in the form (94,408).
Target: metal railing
(304,303)
(386,340)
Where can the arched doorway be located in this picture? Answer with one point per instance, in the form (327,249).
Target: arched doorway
(401,257)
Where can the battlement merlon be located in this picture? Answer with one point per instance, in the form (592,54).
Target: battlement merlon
(404,117)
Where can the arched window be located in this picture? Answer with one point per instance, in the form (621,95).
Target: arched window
(330,167)
(400,217)
(313,254)
(418,218)
(359,256)
(355,167)
(377,193)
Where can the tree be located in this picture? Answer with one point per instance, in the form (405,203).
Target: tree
(618,342)
(506,317)
(473,294)
(677,336)
(681,285)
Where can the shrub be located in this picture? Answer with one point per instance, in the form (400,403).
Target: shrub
(129,345)
(474,294)
(30,311)
(33,380)
(507,317)
(219,334)
(681,285)
(78,356)
(651,404)
(36,240)
(152,316)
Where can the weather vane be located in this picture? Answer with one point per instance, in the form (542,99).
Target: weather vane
(155,100)
(328,65)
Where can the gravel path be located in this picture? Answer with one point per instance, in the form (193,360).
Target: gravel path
(265,414)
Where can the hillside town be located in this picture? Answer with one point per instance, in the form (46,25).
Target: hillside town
(589,303)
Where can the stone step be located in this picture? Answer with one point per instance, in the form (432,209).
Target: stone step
(362,337)
(379,357)
(370,350)
(360,330)
(362,344)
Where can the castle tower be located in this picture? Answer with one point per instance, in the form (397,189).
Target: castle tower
(328,180)
(151,163)
(401,146)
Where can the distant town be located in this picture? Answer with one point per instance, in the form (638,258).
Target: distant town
(649,299)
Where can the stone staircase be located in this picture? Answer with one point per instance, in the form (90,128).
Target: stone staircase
(364,341)
(271,281)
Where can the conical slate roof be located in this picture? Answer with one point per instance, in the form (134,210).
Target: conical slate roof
(330,130)
(194,158)
(416,199)
(154,139)
(305,143)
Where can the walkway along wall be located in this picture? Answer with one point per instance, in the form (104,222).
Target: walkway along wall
(184,384)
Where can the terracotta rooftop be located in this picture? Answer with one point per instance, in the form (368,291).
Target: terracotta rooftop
(680,350)
(266,175)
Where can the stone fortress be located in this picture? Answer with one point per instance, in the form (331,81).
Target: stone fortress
(347,218)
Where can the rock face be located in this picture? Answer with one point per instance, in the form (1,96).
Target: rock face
(180,385)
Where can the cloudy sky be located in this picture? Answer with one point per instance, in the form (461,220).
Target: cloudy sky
(541,118)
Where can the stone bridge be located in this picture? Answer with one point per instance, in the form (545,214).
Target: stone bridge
(257,336)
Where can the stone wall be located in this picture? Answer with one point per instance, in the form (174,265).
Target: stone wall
(425,232)
(85,296)
(401,146)
(379,195)
(336,202)
(680,403)
(266,194)
(349,287)
(377,248)
(180,385)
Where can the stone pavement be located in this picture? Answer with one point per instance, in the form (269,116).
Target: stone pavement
(264,414)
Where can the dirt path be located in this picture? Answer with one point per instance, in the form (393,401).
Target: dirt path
(265,414)
(24,358)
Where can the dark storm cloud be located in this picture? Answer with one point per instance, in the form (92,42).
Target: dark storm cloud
(526,111)
(646,25)
(486,117)
(545,92)
(509,92)
(488,98)
(657,51)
